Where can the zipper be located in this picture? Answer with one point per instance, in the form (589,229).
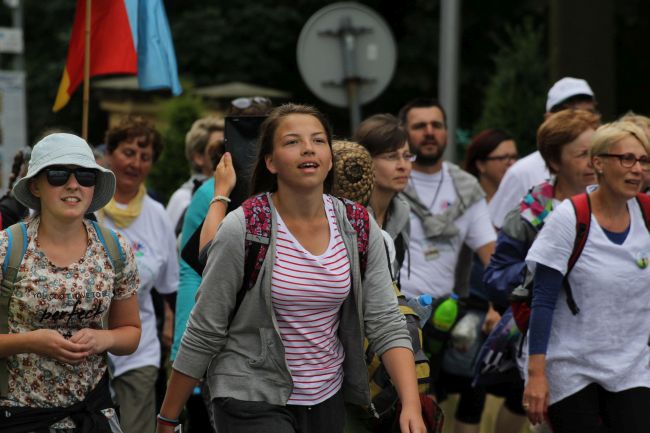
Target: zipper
(373,411)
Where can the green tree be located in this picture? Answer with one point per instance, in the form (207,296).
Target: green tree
(516,92)
(172,168)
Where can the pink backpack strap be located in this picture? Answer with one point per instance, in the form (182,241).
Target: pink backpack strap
(360,221)
(257,213)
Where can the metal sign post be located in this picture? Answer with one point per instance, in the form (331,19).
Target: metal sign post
(347,35)
(448,74)
(346,55)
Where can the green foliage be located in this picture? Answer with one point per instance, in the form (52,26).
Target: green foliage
(172,168)
(516,93)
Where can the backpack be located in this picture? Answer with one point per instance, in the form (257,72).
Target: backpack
(16,248)
(521,297)
(257,214)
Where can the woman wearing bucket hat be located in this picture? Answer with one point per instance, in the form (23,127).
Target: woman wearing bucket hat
(132,147)
(69,278)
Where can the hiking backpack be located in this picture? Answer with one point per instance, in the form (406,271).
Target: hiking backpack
(521,297)
(16,249)
(257,214)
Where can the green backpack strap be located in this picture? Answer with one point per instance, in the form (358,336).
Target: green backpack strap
(16,247)
(115,252)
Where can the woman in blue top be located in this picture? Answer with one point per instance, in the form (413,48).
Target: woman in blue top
(563,140)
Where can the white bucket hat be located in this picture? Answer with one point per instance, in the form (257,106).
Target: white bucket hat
(65,149)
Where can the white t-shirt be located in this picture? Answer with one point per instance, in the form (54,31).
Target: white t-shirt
(154,246)
(522,176)
(181,198)
(607,341)
(178,202)
(434,274)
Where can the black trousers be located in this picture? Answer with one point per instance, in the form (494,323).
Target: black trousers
(237,416)
(596,410)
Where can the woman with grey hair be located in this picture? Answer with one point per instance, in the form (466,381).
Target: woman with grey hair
(205,133)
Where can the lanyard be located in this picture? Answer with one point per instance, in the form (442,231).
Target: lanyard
(438,188)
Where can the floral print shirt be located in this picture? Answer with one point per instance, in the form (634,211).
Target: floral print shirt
(64,299)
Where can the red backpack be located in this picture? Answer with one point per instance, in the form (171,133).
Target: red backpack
(521,297)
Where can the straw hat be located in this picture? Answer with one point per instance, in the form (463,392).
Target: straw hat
(354,174)
(64,149)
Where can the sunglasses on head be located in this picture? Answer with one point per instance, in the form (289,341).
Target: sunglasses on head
(244,103)
(59,175)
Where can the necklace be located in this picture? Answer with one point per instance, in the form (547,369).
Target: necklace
(435,196)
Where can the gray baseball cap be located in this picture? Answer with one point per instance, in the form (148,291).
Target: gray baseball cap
(65,149)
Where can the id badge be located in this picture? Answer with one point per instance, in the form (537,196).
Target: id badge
(431,253)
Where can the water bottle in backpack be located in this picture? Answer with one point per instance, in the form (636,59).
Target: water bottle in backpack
(422,306)
(443,319)
(466,331)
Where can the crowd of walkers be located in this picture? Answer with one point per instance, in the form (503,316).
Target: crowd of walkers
(308,285)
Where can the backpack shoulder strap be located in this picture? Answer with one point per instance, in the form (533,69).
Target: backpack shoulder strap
(16,248)
(582,207)
(644,203)
(111,244)
(257,214)
(360,220)
(116,255)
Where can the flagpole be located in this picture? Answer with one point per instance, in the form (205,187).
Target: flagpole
(86,96)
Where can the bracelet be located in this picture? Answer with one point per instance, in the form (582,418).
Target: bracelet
(168,422)
(222,198)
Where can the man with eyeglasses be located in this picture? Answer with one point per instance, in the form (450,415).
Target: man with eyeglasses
(566,93)
(448,207)
(448,212)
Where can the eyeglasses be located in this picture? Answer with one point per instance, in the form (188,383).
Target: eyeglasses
(244,103)
(395,156)
(59,175)
(502,158)
(628,160)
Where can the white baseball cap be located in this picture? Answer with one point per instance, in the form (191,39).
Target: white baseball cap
(566,88)
(65,149)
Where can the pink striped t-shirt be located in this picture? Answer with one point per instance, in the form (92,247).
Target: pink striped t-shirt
(307,293)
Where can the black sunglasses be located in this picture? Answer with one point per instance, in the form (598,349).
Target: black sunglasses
(59,175)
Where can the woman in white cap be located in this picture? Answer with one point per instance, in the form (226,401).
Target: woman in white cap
(63,277)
